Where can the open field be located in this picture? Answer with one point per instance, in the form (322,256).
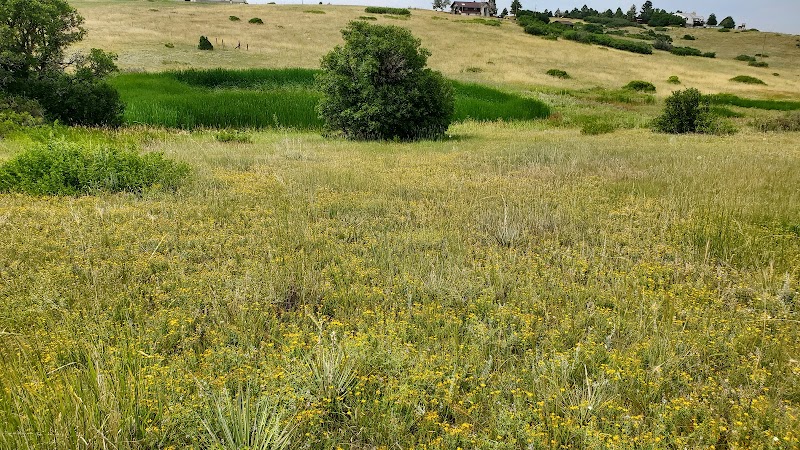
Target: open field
(516,285)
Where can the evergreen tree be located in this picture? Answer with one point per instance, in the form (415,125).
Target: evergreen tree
(504,13)
(619,14)
(608,13)
(727,22)
(712,20)
(631,14)
(647,11)
(515,7)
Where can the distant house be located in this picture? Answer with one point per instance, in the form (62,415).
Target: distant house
(692,19)
(218,1)
(484,8)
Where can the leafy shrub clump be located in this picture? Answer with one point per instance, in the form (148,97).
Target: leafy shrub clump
(788,122)
(256,20)
(674,80)
(724,30)
(709,55)
(662,44)
(685,112)
(76,99)
(747,79)
(234,18)
(558,73)
(686,51)
(758,64)
(367,18)
(17,112)
(640,86)
(596,127)
(689,37)
(608,41)
(205,44)
(61,168)
(745,58)
(376,86)
(169,45)
(233,136)
(386,10)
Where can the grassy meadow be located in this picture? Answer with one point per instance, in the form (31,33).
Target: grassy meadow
(574,281)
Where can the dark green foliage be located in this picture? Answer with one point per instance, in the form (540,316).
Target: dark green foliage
(727,23)
(256,21)
(724,30)
(236,136)
(592,28)
(689,37)
(376,86)
(537,28)
(709,54)
(596,127)
(533,15)
(18,112)
(169,45)
(685,112)
(661,44)
(744,58)
(609,21)
(686,51)
(61,168)
(558,73)
(608,41)
(247,79)
(661,18)
(386,10)
(367,18)
(712,20)
(747,79)
(204,44)
(771,105)
(787,122)
(758,64)
(640,86)
(75,100)
(234,18)
(674,80)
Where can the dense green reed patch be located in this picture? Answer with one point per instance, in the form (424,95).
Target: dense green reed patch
(479,20)
(63,168)
(271,98)
(772,105)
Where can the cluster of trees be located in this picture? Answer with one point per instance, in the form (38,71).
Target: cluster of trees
(33,65)
(648,14)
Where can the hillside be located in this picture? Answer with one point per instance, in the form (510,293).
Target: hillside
(298,36)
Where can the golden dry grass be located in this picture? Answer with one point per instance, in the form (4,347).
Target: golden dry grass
(290,37)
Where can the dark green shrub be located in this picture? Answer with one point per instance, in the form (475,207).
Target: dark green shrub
(640,86)
(674,80)
(75,100)
(558,73)
(367,18)
(747,79)
(169,45)
(204,44)
(234,18)
(537,28)
(686,51)
(386,10)
(593,28)
(689,37)
(709,55)
(786,122)
(727,23)
(744,58)
(256,21)
(17,112)
(61,168)
(661,44)
(762,55)
(376,86)
(609,41)
(685,112)
(758,64)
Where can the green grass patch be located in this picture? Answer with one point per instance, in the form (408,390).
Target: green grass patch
(367,18)
(640,86)
(386,10)
(271,98)
(674,80)
(770,105)
(482,21)
(314,11)
(62,168)
(747,79)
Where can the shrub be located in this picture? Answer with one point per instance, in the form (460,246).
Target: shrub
(689,37)
(709,55)
(661,44)
(758,64)
(169,45)
(558,73)
(537,28)
(727,23)
(609,41)
(786,122)
(61,168)
(747,79)
(376,86)
(204,44)
(674,80)
(233,136)
(640,86)
(234,18)
(685,112)
(593,28)
(256,20)
(686,51)
(75,100)
(17,112)
(367,18)
(744,58)
(386,10)
(473,69)
(660,29)
(724,30)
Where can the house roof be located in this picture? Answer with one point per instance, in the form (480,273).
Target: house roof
(469,4)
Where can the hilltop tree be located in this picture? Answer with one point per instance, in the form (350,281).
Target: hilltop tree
(504,13)
(515,7)
(441,4)
(619,14)
(712,20)
(647,11)
(728,22)
(631,15)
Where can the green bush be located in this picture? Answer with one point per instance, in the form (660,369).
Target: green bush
(685,112)
(233,136)
(537,28)
(661,44)
(61,168)
(367,18)
(76,100)
(234,18)
(686,51)
(745,58)
(758,64)
(558,73)
(385,10)
(786,122)
(17,112)
(724,30)
(609,41)
(674,80)
(256,20)
(689,37)
(640,86)
(204,44)
(376,86)
(747,79)
(709,55)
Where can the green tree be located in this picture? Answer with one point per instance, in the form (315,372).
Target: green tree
(685,111)
(631,15)
(712,20)
(504,13)
(515,7)
(441,4)
(647,11)
(376,86)
(619,14)
(728,22)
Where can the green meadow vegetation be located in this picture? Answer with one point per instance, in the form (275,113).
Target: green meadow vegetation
(572,265)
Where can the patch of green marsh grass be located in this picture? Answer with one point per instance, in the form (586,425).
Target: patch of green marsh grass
(265,98)
(772,105)
(62,168)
